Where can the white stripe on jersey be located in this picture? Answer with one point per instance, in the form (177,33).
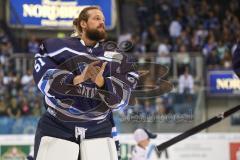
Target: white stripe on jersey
(134,74)
(46,87)
(109,59)
(52,54)
(113,55)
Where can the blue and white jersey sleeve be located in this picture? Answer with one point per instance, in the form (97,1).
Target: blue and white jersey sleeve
(46,72)
(120,82)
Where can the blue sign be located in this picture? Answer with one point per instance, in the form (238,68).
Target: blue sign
(223,83)
(56,13)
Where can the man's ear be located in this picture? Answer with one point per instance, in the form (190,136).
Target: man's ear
(83,24)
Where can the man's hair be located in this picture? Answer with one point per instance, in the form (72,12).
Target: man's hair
(83,16)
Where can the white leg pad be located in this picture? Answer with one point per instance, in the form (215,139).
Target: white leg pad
(57,149)
(98,148)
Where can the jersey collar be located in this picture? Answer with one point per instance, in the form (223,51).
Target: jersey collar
(83,43)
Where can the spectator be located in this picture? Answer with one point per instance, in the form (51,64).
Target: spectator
(184,37)
(36,109)
(168,101)
(234,46)
(213,61)
(186,82)
(14,109)
(139,47)
(25,107)
(183,59)
(226,62)
(175,28)
(192,17)
(234,7)
(149,108)
(27,78)
(6,48)
(221,50)
(160,26)
(14,84)
(163,49)
(152,39)
(199,36)
(3,108)
(212,21)
(7,79)
(163,56)
(33,45)
(2,35)
(2,86)
(160,108)
(209,46)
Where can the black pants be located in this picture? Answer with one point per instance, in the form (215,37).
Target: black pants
(50,126)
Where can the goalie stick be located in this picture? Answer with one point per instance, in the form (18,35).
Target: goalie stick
(197,129)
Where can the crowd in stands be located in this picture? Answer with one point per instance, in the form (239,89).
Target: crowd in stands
(183,29)
(18,93)
(186,27)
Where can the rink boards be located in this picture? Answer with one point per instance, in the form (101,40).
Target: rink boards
(221,146)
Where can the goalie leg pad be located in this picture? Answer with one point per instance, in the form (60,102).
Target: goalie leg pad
(98,148)
(57,149)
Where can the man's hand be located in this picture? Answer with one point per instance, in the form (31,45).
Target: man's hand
(93,72)
(98,79)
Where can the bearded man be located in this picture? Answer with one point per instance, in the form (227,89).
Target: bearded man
(82,85)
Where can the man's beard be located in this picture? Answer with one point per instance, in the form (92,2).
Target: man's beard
(96,35)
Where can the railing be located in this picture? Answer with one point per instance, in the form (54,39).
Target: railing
(25,61)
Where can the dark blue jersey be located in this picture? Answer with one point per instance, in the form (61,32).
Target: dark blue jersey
(60,60)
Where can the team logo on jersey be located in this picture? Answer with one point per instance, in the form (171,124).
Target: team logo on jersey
(80,132)
(89,50)
(41,47)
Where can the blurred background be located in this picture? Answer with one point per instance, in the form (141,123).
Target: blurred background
(194,39)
